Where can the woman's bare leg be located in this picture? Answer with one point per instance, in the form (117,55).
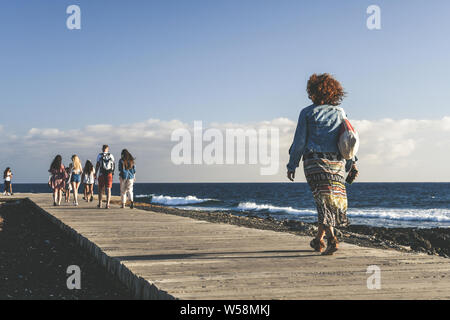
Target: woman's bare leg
(317,243)
(320,232)
(330,232)
(108,196)
(75,186)
(332,245)
(100,196)
(58,196)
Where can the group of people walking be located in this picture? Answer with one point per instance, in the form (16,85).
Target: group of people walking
(66,180)
(315,142)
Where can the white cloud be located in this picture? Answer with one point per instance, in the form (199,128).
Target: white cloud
(391,150)
(404,150)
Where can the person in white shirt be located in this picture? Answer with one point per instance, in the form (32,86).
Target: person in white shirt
(89,180)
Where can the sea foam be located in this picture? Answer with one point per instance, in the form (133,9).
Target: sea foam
(400,214)
(177,201)
(251,206)
(403,214)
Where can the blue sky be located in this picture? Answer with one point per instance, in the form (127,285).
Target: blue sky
(217,61)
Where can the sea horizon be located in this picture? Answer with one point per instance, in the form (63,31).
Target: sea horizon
(270,182)
(391,204)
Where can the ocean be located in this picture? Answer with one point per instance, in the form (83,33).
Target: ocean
(423,205)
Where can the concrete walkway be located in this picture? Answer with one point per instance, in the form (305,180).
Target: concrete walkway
(191,259)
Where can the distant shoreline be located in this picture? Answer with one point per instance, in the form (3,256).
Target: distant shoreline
(287,182)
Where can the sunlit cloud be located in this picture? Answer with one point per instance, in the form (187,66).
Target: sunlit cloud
(391,150)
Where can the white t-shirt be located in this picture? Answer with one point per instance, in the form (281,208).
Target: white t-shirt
(8,177)
(89,178)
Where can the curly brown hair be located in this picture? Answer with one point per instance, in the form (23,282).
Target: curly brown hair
(324,89)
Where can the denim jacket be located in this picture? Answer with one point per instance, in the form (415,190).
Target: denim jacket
(317,131)
(126,173)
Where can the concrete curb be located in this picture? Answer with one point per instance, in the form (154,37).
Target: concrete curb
(141,288)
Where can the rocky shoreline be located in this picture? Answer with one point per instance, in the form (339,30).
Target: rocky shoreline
(435,241)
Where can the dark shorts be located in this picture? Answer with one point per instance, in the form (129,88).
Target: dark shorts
(7,185)
(105,181)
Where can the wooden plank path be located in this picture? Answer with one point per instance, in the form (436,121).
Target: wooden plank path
(164,256)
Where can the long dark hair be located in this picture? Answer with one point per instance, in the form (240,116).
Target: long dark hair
(128,160)
(5,173)
(88,167)
(56,163)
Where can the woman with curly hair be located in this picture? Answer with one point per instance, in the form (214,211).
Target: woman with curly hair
(316,141)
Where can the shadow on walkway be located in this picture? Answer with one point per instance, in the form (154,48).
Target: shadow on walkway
(217,255)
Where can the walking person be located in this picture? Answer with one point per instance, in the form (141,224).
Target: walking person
(7,176)
(127,176)
(68,187)
(57,181)
(105,168)
(76,170)
(88,180)
(316,141)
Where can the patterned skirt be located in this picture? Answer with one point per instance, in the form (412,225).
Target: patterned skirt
(325,177)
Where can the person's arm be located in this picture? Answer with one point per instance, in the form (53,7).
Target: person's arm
(114,164)
(120,167)
(97,167)
(298,146)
